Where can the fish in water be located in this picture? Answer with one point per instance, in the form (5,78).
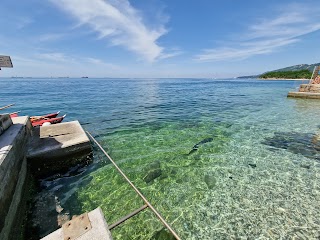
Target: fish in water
(196,147)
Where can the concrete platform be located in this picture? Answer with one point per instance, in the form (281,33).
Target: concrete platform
(13,171)
(312,88)
(58,146)
(99,230)
(311,95)
(5,122)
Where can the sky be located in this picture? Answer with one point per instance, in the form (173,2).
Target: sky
(157,38)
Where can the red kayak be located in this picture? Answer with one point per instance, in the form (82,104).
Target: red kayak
(41,121)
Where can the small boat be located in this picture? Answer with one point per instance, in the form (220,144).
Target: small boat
(50,115)
(41,121)
(14,114)
(34,118)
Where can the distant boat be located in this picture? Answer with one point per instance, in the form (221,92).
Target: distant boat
(84,77)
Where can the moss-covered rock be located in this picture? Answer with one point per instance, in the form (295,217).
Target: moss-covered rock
(153,171)
(163,234)
(210,180)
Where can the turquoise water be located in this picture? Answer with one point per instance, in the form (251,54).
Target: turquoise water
(219,159)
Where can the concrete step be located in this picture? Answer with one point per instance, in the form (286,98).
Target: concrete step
(57,147)
(310,95)
(98,229)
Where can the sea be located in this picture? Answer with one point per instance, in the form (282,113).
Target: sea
(218,158)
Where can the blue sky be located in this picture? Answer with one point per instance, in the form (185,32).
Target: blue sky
(157,38)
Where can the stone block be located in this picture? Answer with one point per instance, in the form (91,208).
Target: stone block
(99,230)
(57,147)
(312,88)
(13,169)
(5,122)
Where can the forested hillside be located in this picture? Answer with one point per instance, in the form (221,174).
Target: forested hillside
(288,74)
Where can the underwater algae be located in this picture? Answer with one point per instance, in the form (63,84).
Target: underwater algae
(224,190)
(160,166)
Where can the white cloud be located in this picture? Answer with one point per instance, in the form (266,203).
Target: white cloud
(119,22)
(269,34)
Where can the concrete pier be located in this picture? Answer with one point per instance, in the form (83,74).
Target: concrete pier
(52,148)
(97,229)
(13,171)
(311,91)
(310,88)
(57,147)
(310,95)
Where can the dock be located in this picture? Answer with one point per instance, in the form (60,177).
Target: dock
(43,150)
(310,95)
(47,150)
(50,146)
(13,172)
(91,226)
(310,90)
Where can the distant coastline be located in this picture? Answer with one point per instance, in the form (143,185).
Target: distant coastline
(285,79)
(299,72)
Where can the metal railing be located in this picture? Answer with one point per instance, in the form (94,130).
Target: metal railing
(147,203)
(314,74)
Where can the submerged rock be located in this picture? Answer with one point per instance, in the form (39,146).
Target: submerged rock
(306,144)
(153,174)
(153,171)
(153,165)
(210,180)
(162,234)
(196,147)
(253,165)
(305,166)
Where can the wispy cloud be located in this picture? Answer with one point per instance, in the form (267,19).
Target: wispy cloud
(54,56)
(171,53)
(63,59)
(48,37)
(55,64)
(100,62)
(22,22)
(267,35)
(119,22)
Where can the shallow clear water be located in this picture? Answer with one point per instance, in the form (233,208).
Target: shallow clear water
(256,174)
